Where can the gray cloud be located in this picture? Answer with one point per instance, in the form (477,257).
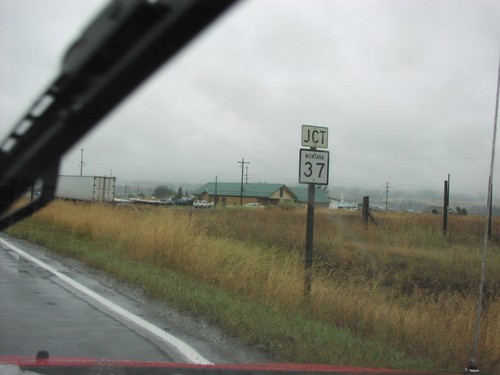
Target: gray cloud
(407,90)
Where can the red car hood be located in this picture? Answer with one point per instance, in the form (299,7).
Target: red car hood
(77,365)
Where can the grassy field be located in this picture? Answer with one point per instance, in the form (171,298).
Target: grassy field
(398,295)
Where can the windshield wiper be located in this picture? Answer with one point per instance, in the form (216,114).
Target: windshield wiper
(120,48)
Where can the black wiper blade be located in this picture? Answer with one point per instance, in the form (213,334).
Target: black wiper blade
(119,49)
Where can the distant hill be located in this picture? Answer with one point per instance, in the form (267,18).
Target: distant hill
(419,200)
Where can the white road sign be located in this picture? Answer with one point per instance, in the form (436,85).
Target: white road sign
(314,136)
(313,167)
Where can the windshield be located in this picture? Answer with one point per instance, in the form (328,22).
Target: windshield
(304,182)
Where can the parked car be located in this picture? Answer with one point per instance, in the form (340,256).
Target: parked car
(182,202)
(254,205)
(202,204)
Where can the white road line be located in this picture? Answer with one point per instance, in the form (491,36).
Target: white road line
(187,351)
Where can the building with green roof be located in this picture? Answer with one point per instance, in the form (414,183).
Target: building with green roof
(230,193)
(321,198)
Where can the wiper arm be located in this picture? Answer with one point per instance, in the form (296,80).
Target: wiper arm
(120,48)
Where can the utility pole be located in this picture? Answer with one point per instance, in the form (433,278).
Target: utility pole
(246,174)
(81,163)
(386,194)
(242,162)
(446,204)
(216,198)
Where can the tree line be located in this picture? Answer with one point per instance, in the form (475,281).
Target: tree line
(163,191)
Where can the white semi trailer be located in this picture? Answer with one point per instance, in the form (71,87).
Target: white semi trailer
(86,188)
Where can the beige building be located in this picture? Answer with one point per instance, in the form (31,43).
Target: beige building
(230,193)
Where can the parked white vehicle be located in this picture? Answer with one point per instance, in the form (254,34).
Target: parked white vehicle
(202,204)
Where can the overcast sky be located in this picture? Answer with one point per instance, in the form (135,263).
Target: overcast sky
(406,88)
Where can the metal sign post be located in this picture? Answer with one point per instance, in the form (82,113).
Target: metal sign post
(311,192)
(313,170)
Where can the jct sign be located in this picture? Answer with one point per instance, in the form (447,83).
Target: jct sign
(313,167)
(314,136)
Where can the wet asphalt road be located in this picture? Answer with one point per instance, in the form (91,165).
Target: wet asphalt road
(39,312)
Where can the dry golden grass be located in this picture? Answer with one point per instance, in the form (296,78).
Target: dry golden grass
(402,283)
